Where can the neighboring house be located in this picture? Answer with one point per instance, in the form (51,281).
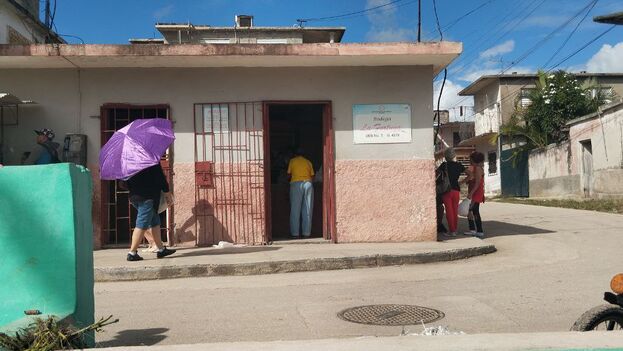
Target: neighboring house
(589,164)
(243,32)
(361,110)
(20,24)
(451,134)
(495,100)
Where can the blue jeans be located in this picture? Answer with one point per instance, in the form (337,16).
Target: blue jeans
(301,204)
(147,217)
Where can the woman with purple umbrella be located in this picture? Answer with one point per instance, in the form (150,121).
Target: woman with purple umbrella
(133,154)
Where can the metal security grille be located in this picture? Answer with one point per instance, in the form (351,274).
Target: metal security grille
(396,315)
(229,173)
(117,214)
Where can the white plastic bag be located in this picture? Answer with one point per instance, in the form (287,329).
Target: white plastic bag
(163,205)
(464,207)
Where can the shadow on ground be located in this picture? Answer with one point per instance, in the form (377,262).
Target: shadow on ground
(497,228)
(136,337)
(224,251)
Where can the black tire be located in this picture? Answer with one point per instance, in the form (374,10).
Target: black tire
(604,317)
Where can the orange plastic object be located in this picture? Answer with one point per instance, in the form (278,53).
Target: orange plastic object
(616,284)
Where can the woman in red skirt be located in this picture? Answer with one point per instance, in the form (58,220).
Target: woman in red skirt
(475,192)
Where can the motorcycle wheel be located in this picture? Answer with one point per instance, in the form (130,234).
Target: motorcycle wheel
(604,317)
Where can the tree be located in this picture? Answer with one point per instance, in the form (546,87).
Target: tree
(557,99)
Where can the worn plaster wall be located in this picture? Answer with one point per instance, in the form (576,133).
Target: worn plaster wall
(69,101)
(553,172)
(385,200)
(558,171)
(605,132)
(487,118)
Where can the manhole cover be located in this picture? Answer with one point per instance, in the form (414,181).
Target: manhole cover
(390,314)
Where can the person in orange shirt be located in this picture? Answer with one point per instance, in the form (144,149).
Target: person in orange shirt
(301,173)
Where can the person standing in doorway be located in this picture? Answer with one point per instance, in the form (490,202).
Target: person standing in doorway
(145,188)
(451,198)
(301,173)
(476,192)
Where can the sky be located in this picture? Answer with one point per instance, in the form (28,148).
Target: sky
(497,35)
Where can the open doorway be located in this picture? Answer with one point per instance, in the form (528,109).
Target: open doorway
(295,126)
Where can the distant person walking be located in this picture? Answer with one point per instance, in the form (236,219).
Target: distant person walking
(145,188)
(451,169)
(46,151)
(301,173)
(475,192)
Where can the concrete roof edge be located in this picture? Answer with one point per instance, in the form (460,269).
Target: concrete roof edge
(176,26)
(312,49)
(599,112)
(479,83)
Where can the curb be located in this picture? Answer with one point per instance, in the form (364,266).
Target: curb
(116,274)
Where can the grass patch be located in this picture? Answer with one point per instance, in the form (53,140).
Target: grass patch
(600,205)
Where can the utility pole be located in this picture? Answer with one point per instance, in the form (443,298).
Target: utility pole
(47,13)
(419,21)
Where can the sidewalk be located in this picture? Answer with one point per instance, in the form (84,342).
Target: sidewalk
(110,265)
(486,342)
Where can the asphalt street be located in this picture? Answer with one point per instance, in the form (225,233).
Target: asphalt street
(551,265)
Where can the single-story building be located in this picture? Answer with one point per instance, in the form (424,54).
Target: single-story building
(589,164)
(361,111)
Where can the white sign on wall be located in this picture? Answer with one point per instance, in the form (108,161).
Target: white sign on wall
(381,124)
(216,118)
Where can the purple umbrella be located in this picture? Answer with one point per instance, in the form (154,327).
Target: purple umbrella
(135,147)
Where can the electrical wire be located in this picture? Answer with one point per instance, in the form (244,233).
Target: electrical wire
(443,83)
(580,49)
(531,50)
(547,38)
(570,34)
(500,37)
(316,19)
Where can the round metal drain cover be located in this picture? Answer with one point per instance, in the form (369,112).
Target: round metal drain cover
(390,315)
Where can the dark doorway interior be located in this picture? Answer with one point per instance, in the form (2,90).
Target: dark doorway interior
(293,126)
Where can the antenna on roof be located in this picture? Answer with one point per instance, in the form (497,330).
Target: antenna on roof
(301,22)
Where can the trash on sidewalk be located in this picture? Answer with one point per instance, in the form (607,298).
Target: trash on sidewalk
(227,244)
(433,331)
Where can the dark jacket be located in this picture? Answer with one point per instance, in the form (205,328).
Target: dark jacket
(147,185)
(454,172)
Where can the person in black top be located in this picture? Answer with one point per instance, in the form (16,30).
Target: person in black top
(451,198)
(145,188)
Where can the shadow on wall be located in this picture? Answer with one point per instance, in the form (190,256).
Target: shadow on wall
(136,337)
(209,229)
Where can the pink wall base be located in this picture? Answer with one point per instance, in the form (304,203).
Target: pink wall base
(385,200)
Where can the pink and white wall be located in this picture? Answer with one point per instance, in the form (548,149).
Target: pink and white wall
(384,192)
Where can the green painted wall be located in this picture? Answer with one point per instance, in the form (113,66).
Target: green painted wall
(46,250)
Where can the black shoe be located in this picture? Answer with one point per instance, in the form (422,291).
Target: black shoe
(165,252)
(134,257)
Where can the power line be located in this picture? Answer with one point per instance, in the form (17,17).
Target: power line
(548,37)
(542,41)
(584,46)
(500,37)
(570,34)
(348,14)
(591,41)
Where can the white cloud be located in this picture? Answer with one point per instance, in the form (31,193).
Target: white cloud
(384,26)
(607,59)
(450,100)
(163,12)
(504,48)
